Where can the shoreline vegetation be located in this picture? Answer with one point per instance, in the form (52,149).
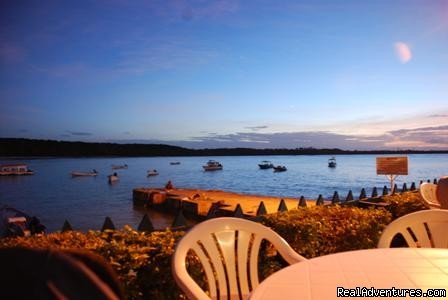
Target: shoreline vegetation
(142,258)
(34,147)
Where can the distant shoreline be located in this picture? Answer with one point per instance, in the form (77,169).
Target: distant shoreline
(15,147)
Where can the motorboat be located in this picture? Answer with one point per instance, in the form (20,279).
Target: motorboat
(15,169)
(152,173)
(279,169)
(117,167)
(175,163)
(112,178)
(212,165)
(332,162)
(266,164)
(14,222)
(79,174)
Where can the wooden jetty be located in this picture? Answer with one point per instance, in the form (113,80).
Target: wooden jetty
(198,203)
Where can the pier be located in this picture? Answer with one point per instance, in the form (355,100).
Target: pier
(199,204)
(203,204)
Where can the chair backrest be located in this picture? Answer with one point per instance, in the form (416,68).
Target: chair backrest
(422,229)
(428,192)
(442,192)
(228,249)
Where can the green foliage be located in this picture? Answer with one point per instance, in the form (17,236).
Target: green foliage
(143,260)
(404,203)
(321,230)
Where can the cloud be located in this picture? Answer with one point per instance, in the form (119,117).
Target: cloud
(438,116)
(424,138)
(435,137)
(290,140)
(79,133)
(256,128)
(403,52)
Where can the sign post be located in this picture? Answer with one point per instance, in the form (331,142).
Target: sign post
(392,167)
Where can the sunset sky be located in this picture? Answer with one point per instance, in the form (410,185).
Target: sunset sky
(262,74)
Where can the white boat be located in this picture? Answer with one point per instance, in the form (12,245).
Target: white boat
(152,173)
(332,162)
(266,164)
(14,222)
(116,167)
(212,165)
(79,174)
(15,169)
(280,169)
(112,178)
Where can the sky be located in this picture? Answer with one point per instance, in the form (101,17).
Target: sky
(211,74)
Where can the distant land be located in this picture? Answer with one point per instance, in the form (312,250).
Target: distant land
(33,147)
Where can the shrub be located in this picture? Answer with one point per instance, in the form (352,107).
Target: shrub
(321,230)
(142,261)
(404,203)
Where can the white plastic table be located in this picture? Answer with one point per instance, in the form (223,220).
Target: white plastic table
(387,268)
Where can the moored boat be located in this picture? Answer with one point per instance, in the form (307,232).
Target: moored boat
(332,162)
(14,222)
(266,164)
(15,169)
(280,169)
(212,165)
(175,163)
(152,173)
(117,167)
(79,174)
(112,178)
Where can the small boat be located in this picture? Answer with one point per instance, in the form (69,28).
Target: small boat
(152,173)
(13,222)
(15,169)
(79,174)
(112,178)
(117,167)
(280,169)
(266,164)
(175,163)
(212,165)
(332,162)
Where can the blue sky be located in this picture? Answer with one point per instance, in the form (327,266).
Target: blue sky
(263,74)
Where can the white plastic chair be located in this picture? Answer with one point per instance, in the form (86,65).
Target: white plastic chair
(428,192)
(228,249)
(422,229)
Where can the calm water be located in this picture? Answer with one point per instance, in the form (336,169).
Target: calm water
(53,195)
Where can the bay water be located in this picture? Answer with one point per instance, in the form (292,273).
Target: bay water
(53,195)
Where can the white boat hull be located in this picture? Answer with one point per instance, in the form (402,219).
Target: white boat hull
(79,174)
(15,173)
